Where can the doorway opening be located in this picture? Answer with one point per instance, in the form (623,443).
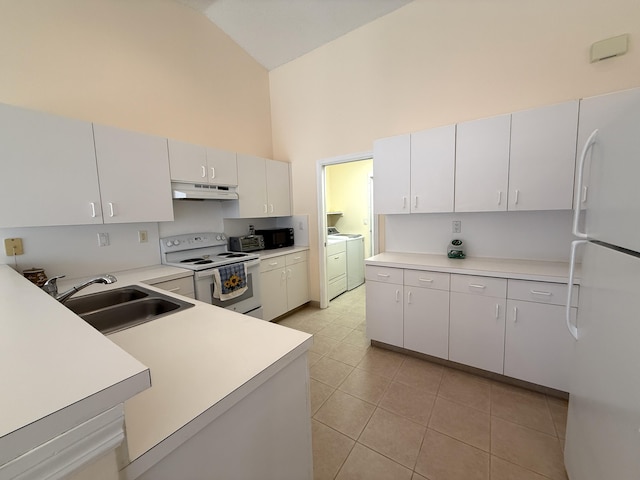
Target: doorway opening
(347,228)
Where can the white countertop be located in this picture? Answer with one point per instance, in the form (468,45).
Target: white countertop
(276,252)
(55,370)
(537,270)
(203,360)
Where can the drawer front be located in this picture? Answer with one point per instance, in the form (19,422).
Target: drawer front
(486,286)
(426,279)
(272,263)
(384,274)
(541,292)
(293,258)
(181,286)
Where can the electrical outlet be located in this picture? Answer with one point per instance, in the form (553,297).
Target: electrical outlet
(13,246)
(456,226)
(103,239)
(143,237)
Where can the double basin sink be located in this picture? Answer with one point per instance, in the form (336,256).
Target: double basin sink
(124,307)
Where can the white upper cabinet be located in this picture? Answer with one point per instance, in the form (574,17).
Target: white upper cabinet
(133,168)
(595,112)
(263,187)
(222,167)
(197,164)
(391,174)
(49,172)
(433,154)
(542,160)
(278,188)
(482,164)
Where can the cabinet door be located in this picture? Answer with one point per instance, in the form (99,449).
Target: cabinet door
(595,112)
(538,346)
(273,286)
(542,160)
(426,321)
(476,335)
(278,189)
(252,186)
(135,184)
(49,174)
(297,285)
(433,155)
(391,173)
(384,313)
(223,168)
(187,162)
(482,164)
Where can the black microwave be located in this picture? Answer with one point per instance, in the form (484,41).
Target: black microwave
(276,237)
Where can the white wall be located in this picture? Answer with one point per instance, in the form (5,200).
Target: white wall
(526,235)
(439,62)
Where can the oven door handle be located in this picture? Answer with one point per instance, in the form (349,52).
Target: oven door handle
(209,272)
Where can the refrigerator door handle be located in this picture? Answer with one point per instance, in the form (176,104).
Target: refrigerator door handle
(573,330)
(576,204)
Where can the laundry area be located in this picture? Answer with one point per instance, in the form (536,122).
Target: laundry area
(348,207)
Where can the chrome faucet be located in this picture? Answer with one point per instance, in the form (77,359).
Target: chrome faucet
(51,286)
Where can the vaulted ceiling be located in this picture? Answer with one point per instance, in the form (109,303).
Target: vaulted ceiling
(275,32)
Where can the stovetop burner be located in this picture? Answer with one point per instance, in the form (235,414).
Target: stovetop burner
(200,251)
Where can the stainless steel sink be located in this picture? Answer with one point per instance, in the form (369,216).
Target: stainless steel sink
(124,307)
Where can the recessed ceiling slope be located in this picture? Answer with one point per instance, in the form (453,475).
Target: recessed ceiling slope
(275,32)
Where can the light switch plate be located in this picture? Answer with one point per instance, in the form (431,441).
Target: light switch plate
(143,236)
(13,246)
(103,239)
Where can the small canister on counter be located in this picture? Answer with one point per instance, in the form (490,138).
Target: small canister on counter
(35,275)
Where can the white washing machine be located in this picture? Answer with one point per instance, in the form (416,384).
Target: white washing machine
(355,256)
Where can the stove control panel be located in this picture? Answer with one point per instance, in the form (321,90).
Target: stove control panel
(191,241)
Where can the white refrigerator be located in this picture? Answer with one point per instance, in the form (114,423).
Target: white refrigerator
(603,425)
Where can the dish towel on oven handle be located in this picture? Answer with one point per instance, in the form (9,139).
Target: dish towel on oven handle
(230,281)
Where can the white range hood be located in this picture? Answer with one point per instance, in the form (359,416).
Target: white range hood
(195,191)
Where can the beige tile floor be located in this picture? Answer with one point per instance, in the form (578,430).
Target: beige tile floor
(379,414)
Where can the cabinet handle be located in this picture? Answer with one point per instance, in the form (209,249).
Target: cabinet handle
(111,213)
(475,285)
(546,294)
(297,258)
(213,173)
(384,275)
(271,207)
(397,295)
(499,197)
(177,289)
(93,209)
(265,208)
(273,264)
(585,190)
(517,196)
(576,206)
(497,311)
(415,203)
(404,202)
(283,276)
(428,280)
(515,314)
(204,171)
(409,297)
(289,273)
(336,258)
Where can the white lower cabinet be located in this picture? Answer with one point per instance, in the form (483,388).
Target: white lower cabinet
(511,327)
(426,312)
(385,311)
(476,331)
(284,284)
(538,345)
